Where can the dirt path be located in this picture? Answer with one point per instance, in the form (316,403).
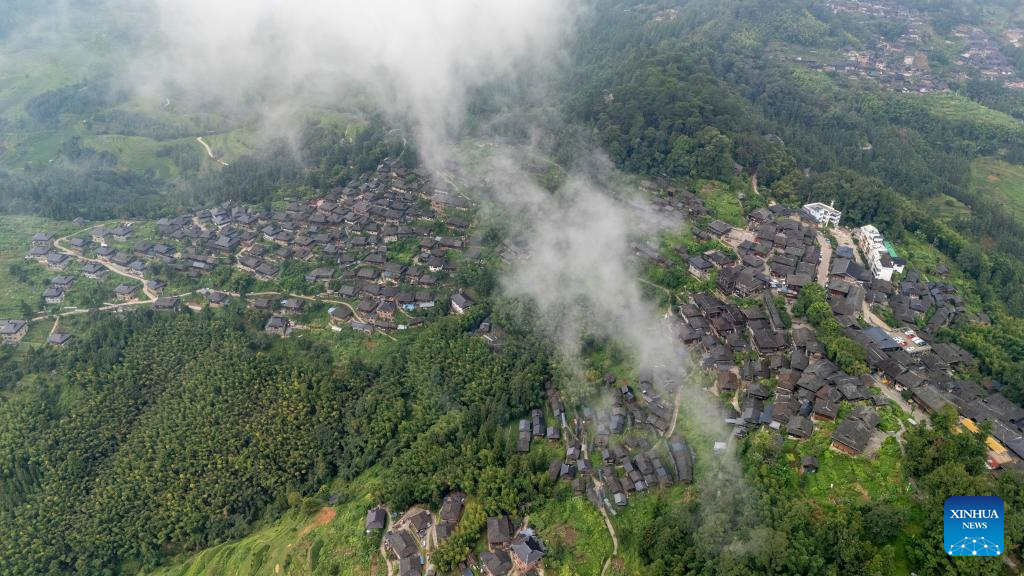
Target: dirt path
(598,489)
(677,402)
(209,152)
(150,294)
(667,292)
(874,319)
(383,552)
(895,396)
(826,259)
(615,541)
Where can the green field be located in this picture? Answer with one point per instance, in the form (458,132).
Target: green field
(848,479)
(957,108)
(329,542)
(946,208)
(722,202)
(1001,181)
(15,240)
(574,532)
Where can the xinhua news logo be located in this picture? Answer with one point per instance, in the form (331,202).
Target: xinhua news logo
(974,526)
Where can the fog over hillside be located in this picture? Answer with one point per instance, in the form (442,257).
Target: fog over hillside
(416,60)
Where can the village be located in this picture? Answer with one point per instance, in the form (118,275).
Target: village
(382,252)
(781,378)
(769,372)
(901,63)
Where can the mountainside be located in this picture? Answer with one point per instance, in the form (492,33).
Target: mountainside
(584,326)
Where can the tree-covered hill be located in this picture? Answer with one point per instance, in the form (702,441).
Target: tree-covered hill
(157,435)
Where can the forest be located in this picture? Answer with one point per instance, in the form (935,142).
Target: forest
(156,435)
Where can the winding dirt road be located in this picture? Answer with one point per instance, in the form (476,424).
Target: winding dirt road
(209,152)
(150,294)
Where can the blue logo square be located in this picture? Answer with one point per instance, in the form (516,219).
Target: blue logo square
(974,526)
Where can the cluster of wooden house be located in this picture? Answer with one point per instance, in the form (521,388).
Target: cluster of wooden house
(913,298)
(784,254)
(350,233)
(632,465)
(782,258)
(409,540)
(510,551)
(809,386)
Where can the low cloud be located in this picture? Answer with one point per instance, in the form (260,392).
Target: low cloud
(416,60)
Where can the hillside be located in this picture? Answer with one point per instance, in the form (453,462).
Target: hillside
(582,324)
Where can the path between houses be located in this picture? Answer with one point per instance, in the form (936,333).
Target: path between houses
(151,296)
(826,259)
(615,541)
(109,266)
(872,318)
(355,313)
(209,152)
(895,396)
(383,552)
(598,489)
(677,402)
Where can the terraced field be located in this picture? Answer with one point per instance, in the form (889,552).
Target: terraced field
(331,541)
(1000,180)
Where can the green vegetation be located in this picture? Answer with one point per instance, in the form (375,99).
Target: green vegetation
(723,102)
(332,541)
(193,444)
(999,348)
(1001,181)
(954,108)
(851,479)
(722,202)
(574,531)
(254,419)
(22,282)
(847,354)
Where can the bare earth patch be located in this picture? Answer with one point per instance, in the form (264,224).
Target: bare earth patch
(567,534)
(324,516)
(863,492)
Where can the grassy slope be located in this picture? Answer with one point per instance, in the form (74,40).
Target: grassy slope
(30,68)
(296,545)
(722,202)
(1000,180)
(959,108)
(15,241)
(574,532)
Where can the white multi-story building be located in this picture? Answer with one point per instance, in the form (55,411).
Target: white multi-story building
(882,262)
(823,214)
